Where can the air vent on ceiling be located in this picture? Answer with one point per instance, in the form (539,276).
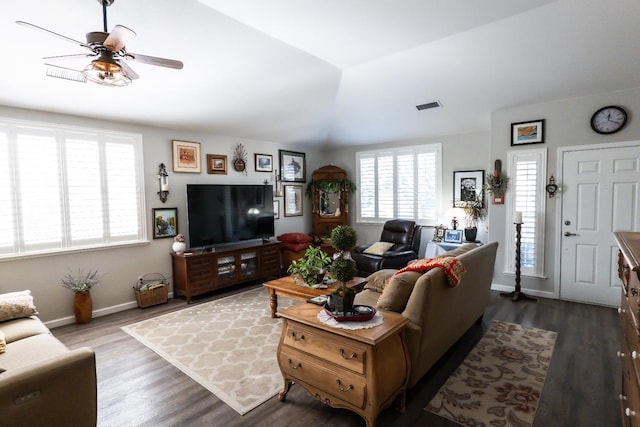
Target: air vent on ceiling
(434,104)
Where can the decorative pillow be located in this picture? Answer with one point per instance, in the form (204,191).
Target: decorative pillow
(397,291)
(459,251)
(3,343)
(377,280)
(16,305)
(294,247)
(378,248)
(295,238)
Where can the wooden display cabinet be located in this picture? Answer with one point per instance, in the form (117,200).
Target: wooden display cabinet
(329,208)
(196,274)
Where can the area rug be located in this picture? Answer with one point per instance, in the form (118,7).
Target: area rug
(227,345)
(500,381)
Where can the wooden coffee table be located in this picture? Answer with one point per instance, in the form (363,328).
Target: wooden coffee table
(286,287)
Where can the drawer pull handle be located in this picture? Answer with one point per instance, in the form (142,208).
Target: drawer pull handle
(619,354)
(621,310)
(629,412)
(348,356)
(292,366)
(622,397)
(634,292)
(634,354)
(296,337)
(342,388)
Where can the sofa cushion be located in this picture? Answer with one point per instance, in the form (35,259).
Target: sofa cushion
(295,238)
(460,250)
(378,248)
(397,291)
(31,350)
(294,247)
(18,329)
(15,305)
(377,280)
(3,343)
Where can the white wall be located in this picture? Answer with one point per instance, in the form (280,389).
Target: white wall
(122,266)
(567,124)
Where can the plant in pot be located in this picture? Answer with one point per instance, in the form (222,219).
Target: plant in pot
(311,267)
(343,268)
(341,300)
(344,238)
(81,283)
(475,212)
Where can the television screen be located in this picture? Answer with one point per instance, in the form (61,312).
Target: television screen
(219,214)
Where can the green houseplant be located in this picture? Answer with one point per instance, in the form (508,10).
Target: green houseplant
(475,212)
(81,283)
(311,267)
(343,268)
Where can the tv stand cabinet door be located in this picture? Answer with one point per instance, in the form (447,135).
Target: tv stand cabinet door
(192,275)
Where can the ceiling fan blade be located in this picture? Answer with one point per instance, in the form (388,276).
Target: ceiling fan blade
(118,38)
(153,60)
(127,70)
(65,57)
(69,39)
(65,73)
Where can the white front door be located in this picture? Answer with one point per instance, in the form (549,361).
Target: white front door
(600,195)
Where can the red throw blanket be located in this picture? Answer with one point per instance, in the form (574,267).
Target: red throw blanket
(452,268)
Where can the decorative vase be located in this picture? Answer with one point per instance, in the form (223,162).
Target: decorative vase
(179,247)
(470,234)
(341,304)
(82,307)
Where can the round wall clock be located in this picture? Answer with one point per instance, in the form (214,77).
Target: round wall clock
(609,119)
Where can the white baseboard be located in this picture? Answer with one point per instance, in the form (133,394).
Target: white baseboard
(532,292)
(96,313)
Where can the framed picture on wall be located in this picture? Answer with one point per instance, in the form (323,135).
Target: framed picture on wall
(165,222)
(467,187)
(217,164)
(293,200)
(264,162)
(531,132)
(186,156)
(292,166)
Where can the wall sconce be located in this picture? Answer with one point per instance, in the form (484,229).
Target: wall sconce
(551,187)
(163,183)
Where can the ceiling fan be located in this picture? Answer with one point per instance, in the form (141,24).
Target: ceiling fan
(109,65)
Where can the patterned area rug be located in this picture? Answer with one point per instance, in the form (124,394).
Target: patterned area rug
(500,382)
(227,345)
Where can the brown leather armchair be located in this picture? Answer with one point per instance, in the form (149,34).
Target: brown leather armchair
(405,236)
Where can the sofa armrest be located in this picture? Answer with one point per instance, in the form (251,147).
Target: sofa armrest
(61,390)
(360,249)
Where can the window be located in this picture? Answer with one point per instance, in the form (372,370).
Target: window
(68,188)
(399,183)
(527,169)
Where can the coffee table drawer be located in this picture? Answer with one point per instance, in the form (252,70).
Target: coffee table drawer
(343,385)
(326,346)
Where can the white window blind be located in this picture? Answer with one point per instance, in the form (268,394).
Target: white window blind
(399,183)
(68,188)
(527,170)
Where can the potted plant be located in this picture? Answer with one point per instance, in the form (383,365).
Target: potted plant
(311,266)
(81,284)
(341,300)
(343,268)
(475,212)
(343,238)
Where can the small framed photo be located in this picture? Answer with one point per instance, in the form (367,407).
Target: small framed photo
(217,164)
(468,186)
(293,200)
(276,209)
(165,222)
(453,236)
(292,166)
(264,162)
(186,156)
(438,233)
(527,132)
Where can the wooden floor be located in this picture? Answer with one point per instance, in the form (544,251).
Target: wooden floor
(136,387)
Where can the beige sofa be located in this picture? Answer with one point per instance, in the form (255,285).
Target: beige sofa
(42,383)
(438,313)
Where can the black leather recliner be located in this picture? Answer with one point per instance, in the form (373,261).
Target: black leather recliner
(405,236)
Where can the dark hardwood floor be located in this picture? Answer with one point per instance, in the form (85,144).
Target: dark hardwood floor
(136,387)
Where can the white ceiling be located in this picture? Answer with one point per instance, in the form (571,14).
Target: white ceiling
(327,71)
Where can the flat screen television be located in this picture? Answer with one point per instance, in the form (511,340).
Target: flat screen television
(225,214)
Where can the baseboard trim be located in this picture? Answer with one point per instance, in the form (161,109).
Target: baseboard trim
(532,292)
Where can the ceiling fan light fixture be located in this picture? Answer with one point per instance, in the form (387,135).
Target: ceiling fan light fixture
(107,73)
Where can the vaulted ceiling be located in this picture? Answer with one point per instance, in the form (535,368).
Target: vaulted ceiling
(327,72)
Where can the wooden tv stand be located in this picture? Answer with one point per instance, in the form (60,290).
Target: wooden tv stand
(199,273)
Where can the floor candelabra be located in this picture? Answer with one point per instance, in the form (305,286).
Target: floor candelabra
(517,294)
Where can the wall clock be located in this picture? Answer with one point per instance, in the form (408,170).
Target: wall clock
(608,120)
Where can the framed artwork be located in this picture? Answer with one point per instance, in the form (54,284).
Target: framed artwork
(276,209)
(292,166)
(467,187)
(453,236)
(293,200)
(438,233)
(165,222)
(186,156)
(527,132)
(217,163)
(264,162)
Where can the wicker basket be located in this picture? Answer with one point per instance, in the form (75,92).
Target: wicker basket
(151,289)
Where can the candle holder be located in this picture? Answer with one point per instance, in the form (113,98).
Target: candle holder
(517,294)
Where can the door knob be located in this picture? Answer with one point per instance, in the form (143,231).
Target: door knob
(567,234)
